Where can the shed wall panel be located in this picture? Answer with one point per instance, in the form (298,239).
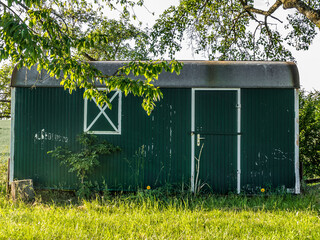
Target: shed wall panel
(216,122)
(44,119)
(267,140)
(155,149)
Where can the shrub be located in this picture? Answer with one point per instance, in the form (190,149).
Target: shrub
(309,119)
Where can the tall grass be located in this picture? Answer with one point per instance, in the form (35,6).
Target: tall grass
(147,217)
(158,215)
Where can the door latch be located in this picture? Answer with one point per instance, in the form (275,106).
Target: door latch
(198,139)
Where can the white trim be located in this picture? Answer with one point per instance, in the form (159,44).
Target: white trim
(117,130)
(85,111)
(239,141)
(192,137)
(216,89)
(119,112)
(296,141)
(12,132)
(238,129)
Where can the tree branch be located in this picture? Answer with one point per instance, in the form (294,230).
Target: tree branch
(62,19)
(267,28)
(271,10)
(88,56)
(4,5)
(312,14)
(305,9)
(116,50)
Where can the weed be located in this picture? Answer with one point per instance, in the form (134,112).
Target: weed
(137,164)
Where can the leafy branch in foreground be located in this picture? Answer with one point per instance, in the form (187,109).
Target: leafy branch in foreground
(54,34)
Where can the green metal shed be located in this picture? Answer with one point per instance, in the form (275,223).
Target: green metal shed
(244,114)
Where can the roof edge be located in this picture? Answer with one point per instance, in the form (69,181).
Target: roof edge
(210,74)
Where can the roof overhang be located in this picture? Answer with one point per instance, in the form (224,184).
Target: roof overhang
(202,74)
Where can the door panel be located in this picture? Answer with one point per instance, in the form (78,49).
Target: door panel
(216,122)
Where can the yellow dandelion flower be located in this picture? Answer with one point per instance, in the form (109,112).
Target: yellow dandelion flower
(148,187)
(263,190)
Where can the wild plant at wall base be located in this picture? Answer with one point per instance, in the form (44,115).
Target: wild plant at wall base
(83,162)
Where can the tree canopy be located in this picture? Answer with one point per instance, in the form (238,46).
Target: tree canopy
(5,90)
(236,30)
(61,36)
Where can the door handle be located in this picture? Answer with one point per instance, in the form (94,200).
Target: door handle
(198,139)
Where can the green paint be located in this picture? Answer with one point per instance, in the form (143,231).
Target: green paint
(267,141)
(216,121)
(50,117)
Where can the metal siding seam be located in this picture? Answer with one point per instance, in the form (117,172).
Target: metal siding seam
(12,138)
(239,142)
(24,164)
(49,165)
(33,153)
(46,95)
(192,136)
(221,125)
(85,111)
(119,112)
(296,149)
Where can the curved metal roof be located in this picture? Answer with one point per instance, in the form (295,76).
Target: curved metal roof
(202,74)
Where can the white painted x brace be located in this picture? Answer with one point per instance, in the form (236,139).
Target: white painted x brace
(117,130)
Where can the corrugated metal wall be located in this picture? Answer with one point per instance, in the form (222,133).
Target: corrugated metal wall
(156,149)
(216,122)
(267,142)
(45,118)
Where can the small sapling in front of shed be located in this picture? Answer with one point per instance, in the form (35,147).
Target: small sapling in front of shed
(83,162)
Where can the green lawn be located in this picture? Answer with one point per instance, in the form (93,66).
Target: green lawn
(157,215)
(4,136)
(4,150)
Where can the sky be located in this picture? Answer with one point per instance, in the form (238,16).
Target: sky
(307,61)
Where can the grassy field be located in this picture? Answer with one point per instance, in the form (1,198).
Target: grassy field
(156,214)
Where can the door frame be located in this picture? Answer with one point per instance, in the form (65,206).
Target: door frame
(193,105)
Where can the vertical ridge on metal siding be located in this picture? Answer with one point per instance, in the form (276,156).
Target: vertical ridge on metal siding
(50,117)
(267,159)
(152,132)
(216,121)
(40,113)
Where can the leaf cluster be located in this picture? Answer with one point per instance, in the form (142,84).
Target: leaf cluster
(60,36)
(5,90)
(127,80)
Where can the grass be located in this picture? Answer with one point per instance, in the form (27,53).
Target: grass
(4,151)
(157,215)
